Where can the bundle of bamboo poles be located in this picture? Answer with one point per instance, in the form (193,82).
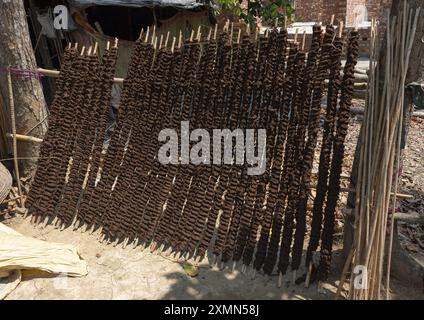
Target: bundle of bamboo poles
(376,191)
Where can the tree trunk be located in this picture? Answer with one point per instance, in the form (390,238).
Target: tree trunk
(16,51)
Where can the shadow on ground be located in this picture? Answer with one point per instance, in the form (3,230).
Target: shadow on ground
(117,273)
(228,284)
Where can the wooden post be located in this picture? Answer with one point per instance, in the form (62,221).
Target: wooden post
(16,50)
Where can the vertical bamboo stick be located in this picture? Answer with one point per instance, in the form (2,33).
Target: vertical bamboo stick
(15,145)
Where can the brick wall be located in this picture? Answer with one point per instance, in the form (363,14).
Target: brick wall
(373,7)
(352,12)
(320,10)
(338,8)
(346,10)
(307,10)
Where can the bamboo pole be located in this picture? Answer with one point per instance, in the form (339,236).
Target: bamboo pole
(56,73)
(377,186)
(409,217)
(399,137)
(11,200)
(15,145)
(359,78)
(24,138)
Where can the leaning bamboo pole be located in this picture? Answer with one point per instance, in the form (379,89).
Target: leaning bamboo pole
(377,187)
(15,144)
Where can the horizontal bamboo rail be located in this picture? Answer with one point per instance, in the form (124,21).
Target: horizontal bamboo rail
(21,137)
(410,217)
(359,78)
(56,73)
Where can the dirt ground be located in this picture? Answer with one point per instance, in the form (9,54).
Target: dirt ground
(412,182)
(116,273)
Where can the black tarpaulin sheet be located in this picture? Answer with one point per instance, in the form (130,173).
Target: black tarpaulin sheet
(185,4)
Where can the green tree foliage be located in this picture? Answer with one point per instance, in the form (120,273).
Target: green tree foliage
(270,12)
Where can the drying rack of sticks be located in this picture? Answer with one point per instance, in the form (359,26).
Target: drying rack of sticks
(225,78)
